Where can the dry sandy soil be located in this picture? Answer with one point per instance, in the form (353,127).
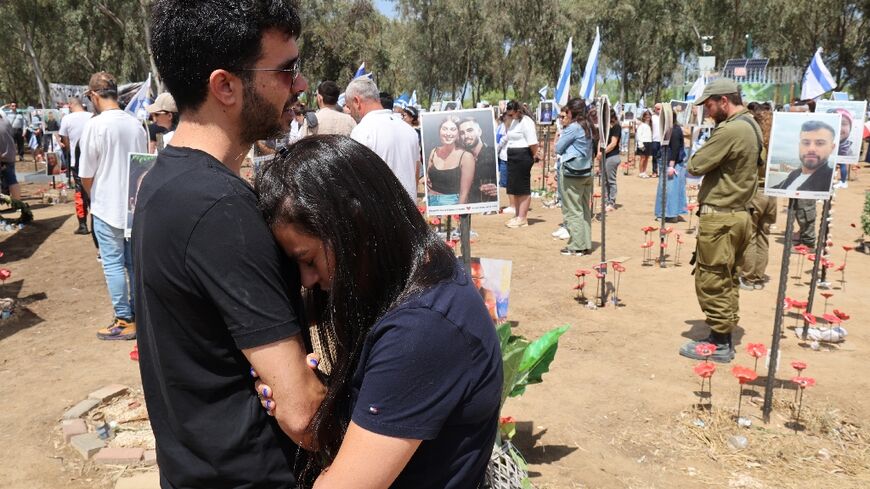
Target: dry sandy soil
(615,411)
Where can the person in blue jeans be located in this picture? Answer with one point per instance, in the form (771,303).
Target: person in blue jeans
(106,142)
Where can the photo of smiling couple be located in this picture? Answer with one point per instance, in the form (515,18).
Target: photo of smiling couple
(233,285)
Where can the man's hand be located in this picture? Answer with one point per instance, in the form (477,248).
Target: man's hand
(489,189)
(671,171)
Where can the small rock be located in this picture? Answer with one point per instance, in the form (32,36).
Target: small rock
(699,423)
(652,377)
(744,422)
(149,458)
(738,442)
(691,471)
(824,454)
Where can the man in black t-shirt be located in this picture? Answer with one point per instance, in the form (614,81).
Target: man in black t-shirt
(483,187)
(215,296)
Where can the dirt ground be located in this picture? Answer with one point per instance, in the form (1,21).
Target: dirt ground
(615,410)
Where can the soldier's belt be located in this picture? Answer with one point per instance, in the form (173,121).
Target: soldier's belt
(713,209)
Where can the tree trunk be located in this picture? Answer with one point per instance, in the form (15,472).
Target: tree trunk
(37,68)
(146,28)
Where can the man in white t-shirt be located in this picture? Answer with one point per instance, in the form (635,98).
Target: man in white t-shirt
(71,128)
(106,142)
(384,132)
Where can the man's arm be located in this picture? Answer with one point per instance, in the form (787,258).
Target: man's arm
(710,156)
(295,388)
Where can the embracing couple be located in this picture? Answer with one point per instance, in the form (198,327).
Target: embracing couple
(236,285)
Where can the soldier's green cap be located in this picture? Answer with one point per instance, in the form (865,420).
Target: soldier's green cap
(719,86)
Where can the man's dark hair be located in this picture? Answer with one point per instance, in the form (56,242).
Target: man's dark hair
(752,107)
(734,98)
(469,119)
(810,126)
(386,100)
(329,91)
(191,39)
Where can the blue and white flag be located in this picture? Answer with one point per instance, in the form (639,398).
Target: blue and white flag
(587,86)
(543,92)
(361,71)
(341,99)
(137,104)
(563,86)
(402,101)
(413,100)
(817,80)
(697,90)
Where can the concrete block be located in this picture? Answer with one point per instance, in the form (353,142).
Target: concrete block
(73,427)
(108,392)
(149,458)
(119,456)
(87,444)
(147,480)
(81,409)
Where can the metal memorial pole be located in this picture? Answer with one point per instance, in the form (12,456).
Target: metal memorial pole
(465,240)
(603,134)
(777,322)
(820,247)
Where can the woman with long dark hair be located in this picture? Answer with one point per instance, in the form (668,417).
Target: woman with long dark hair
(522,146)
(644,142)
(413,361)
(611,161)
(575,150)
(450,168)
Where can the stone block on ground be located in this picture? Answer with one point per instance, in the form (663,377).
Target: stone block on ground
(147,480)
(81,409)
(150,457)
(119,456)
(87,444)
(73,427)
(108,392)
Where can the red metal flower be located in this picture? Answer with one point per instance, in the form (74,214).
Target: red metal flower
(832,318)
(582,273)
(5,273)
(842,315)
(841,267)
(827,295)
(619,268)
(810,318)
(744,374)
(804,382)
(506,420)
(811,257)
(705,369)
(664,245)
(436,221)
(648,244)
(801,249)
(848,248)
(756,350)
(799,365)
(579,286)
(799,304)
(705,349)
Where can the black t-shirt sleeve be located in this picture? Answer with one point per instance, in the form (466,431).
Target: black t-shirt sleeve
(415,375)
(236,263)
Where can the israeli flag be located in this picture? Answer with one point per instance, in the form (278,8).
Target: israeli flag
(817,80)
(402,101)
(413,101)
(543,92)
(341,99)
(361,71)
(563,87)
(697,89)
(587,86)
(137,104)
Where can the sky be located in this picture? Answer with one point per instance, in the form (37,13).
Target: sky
(386,7)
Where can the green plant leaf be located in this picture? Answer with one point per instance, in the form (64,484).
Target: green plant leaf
(504,334)
(511,357)
(536,360)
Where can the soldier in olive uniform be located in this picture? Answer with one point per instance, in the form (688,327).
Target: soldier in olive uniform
(729,163)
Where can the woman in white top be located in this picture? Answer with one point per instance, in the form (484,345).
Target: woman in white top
(522,146)
(644,142)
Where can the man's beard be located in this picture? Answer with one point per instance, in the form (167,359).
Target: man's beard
(819,163)
(258,117)
(471,145)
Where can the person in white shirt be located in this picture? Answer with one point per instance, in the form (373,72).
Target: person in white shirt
(384,132)
(106,142)
(522,149)
(644,143)
(71,128)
